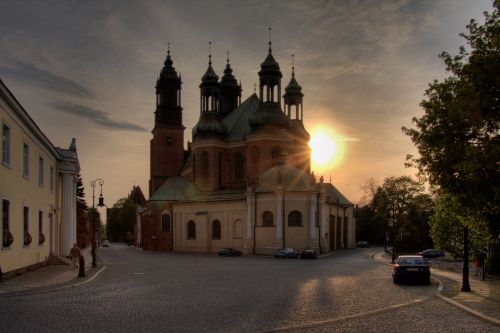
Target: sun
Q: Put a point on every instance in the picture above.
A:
(325, 149)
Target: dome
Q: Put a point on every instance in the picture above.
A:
(168, 71)
(293, 88)
(269, 113)
(210, 75)
(291, 178)
(209, 124)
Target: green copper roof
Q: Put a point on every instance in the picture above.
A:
(180, 189)
(175, 189)
(237, 121)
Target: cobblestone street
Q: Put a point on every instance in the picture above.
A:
(347, 291)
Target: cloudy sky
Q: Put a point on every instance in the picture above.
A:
(87, 69)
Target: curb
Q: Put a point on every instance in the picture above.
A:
(66, 285)
(449, 300)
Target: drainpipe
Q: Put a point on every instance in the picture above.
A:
(283, 218)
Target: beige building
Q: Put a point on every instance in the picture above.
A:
(245, 180)
(37, 191)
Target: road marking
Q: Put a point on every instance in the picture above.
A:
(357, 315)
(137, 273)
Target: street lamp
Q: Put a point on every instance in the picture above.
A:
(99, 204)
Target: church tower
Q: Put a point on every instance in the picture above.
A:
(230, 91)
(167, 145)
(299, 151)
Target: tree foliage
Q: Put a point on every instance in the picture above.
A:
(446, 227)
(458, 137)
(121, 220)
(400, 206)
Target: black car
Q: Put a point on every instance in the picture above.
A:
(411, 268)
(432, 253)
(286, 253)
(229, 252)
(309, 254)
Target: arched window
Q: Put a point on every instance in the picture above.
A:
(238, 229)
(165, 222)
(216, 229)
(238, 167)
(267, 219)
(204, 167)
(191, 228)
(276, 155)
(295, 219)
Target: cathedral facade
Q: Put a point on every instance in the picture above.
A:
(245, 180)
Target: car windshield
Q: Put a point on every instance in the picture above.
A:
(411, 261)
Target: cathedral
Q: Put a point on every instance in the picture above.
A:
(245, 179)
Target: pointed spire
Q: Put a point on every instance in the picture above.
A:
(270, 49)
(293, 65)
(210, 73)
(210, 53)
(168, 48)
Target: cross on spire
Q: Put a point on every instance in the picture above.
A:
(168, 48)
(293, 65)
(210, 53)
(270, 50)
(227, 53)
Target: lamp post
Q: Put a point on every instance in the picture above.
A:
(100, 204)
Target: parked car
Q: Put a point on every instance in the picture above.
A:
(229, 252)
(411, 268)
(309, 254)
(286, 253)
(432, 253)
(105, 243)
(362, 244)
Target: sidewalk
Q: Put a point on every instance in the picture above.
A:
(482, 301)
(47, 278)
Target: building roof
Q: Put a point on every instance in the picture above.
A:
(181, 189)
(333, 194)
(237, 122)
(137, 196)
(175, 189)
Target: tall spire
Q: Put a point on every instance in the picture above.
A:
(210, 53)
(270, 49)
(293, 65)
(230, 91)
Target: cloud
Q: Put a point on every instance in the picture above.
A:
(30, 72)
(96, 116)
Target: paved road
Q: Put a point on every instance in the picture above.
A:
(171, 292)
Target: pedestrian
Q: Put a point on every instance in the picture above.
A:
(74, 253)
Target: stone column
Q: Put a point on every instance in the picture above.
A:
(249, 237)
(313, 229)
(68, 226)
(279, 218)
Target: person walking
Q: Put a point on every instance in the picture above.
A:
(74, 253)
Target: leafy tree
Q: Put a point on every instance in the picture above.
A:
(400, 206)
(121, 220)
(458, 137)
(403, 204)
(82, 225)
(447, 227)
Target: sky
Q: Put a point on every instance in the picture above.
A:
(87, 69)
